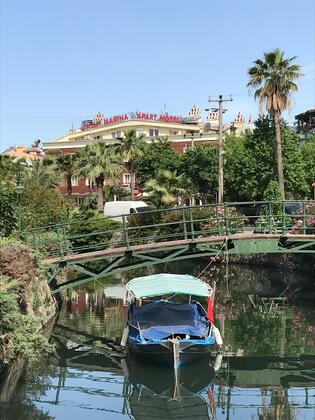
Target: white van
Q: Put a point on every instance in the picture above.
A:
(115, 209)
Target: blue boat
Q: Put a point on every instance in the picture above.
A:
(168, 331)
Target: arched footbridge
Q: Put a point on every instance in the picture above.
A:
(92, 248)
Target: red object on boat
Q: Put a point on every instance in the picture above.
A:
(210, 313)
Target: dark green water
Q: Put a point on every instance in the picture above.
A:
(266, 371)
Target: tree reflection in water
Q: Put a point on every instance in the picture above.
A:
(267, 371)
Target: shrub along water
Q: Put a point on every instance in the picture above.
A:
(91, 230)
(25, 306)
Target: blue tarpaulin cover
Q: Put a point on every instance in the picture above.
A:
(161, 319)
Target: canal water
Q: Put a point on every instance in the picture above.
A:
(265, 371)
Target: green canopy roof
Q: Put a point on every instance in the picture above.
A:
(163, 284)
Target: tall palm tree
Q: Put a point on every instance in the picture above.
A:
(130, 147)
(165, 189)
(43, 174)
(273, 78)
(67, 165)
(98, 161)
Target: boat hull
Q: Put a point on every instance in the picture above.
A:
(163, 353)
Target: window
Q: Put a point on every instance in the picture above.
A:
(88, 181)
(116, 134)
(75, 181)
(79, 201)
(127, 178)
(139, 132)
(173, 132)
(154, 132)
(74, 297)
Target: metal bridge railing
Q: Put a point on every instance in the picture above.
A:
(171, 224)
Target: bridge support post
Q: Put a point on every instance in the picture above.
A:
(126, 237)
(184, 223)
(270, 216)
(284, 228)
(226, 220)
(60, 240)
(218, 219)
(191, 224)
(304, 218)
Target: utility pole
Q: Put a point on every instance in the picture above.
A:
(221, 142)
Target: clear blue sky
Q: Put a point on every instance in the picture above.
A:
(64, 60)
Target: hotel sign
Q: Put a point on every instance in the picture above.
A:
(100, 120)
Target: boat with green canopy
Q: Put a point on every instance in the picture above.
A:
(164, 330)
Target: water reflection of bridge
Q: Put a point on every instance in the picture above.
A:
(245, 371)
(201, 389)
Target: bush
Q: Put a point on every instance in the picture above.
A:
(221, 223)
(19, 336)
(90, 230)
(177, 221)
(8, 222)
(145, 234)
(172, 224)
(298, 223)
(47, 242)
(206, 220)
(41, 206)
(272, 193)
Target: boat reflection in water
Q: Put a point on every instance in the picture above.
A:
(153, 391)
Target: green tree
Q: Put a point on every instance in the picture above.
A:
(308, 159)
(67, 165)
(273, 194)
(199, 165)
(158, 155)
(239, 173)
(273, 78)
(8, 220)
(90, 230)
(131, 146)
(251, 162)
(9, 169)
(294, 168)
(165, 189)
(41, 206)
(98, 161)
(43, 174)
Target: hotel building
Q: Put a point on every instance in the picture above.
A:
(182, 132)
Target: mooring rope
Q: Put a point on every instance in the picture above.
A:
(213, 258)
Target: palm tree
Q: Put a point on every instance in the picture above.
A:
(67, 165)
(165, 188)
(98, 161)
(43, 174)
(130, 148)
(273, 78)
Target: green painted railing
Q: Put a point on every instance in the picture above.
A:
(173, 224)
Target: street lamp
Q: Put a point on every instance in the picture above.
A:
(19, 189)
